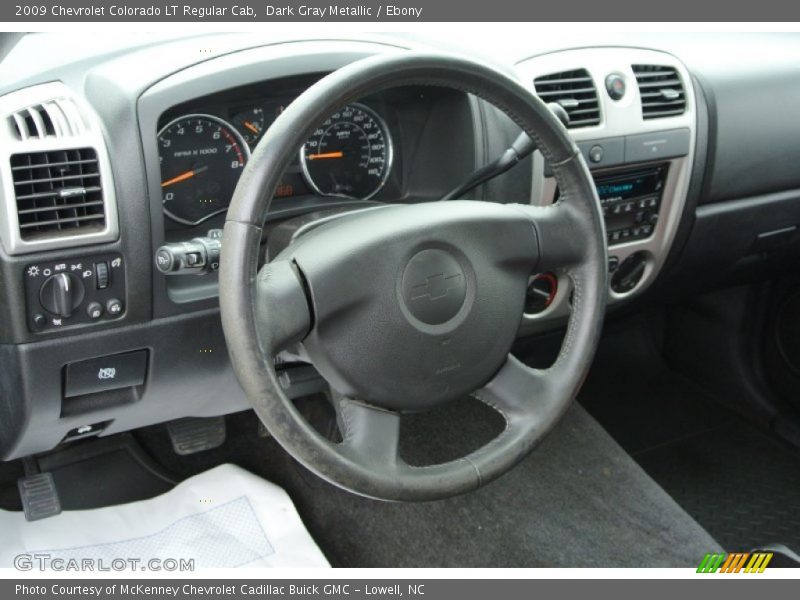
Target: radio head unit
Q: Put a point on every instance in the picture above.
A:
(631, 201)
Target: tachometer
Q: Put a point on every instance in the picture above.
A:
(201, 158)
(349, 155)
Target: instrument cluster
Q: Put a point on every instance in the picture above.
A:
(202, 153)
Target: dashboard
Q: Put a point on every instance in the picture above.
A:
(107, 158)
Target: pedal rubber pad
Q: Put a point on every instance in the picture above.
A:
(192, 435)
(39, 496)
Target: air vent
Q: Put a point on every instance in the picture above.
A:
(56, 118)
(661, 91)
(58, 193)
(575, 92)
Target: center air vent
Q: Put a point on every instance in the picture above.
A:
(575, 92)
(58, 193)
(661, 91)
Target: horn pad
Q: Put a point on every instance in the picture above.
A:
(415, 305)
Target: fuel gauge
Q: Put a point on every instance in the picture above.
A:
(251, 124)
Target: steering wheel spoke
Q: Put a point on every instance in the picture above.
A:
(370, 433)
(562, 235)
(282, 314)
(517, 391)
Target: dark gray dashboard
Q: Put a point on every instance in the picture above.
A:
(741, 209)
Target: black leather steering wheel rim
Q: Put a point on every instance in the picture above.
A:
(263, 312)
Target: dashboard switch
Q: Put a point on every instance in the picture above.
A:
(101, 275)
(198, 256)
(94, 310)
(72, 292)
(114, 307)
(61, 294)
(39, 321)
(105, 373)
(596, 153)
(615, 86)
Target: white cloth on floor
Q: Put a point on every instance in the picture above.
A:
(223, 518)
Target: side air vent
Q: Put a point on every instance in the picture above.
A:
(58, 193)
(56, 118)
(56, 184)
(575, 92)
(661, 91)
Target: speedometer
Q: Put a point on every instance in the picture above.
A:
(201, 158)
(349, 155)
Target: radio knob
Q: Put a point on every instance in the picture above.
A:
(629, 273)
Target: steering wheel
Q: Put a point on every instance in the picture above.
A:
(404, 307)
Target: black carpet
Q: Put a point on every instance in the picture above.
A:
(743, 486)
(739, 483)
(579, 500)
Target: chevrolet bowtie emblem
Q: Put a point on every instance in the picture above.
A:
(436, 287)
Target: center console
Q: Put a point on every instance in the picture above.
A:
(631, 112)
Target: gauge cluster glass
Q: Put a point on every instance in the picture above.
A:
(349, 155)
(202, 157)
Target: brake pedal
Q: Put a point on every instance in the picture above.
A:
(192, 435)
(39, 496)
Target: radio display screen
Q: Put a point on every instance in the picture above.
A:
(629, 186)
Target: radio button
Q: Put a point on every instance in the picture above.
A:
(596, 154)
(648, 202)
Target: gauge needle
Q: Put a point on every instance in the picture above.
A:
(252, 127)
(326, 155)
(183, 176)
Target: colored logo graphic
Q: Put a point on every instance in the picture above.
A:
(735, 562)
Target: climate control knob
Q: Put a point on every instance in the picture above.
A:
(61, 294)
(629, 273)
